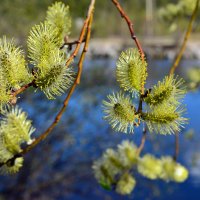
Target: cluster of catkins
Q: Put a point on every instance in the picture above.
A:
(15, 129)
(49, 74)
(114, 170)
(160, 107)
(162, 104)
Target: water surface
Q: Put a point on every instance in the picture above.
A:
(60, 167)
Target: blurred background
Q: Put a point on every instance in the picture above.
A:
(60, 167)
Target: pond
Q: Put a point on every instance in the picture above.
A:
(60, 167)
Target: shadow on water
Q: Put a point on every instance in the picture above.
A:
(60, 167)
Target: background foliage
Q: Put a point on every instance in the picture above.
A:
(18, 16)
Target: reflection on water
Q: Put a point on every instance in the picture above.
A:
(60, 167)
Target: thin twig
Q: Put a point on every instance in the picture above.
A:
(130, 26)
(81, 38)
(70, 44)
(186, 37)
(85, 49)
(22, 89)
(176, 152)
(144, 135)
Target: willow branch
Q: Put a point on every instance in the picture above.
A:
(186, 37)
(22, 89)
(85, 49)
(144, 135)
(81, 38)
(176, 151)
(177, 61)
(70, 44)
(85, 30)
(130, 26)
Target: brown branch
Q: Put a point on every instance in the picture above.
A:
(144, 135)
(130, 26)
(186, 37)
(85, 49)
(86, 27)
(81, 38)
(176, 152)
(22, 89)
(70, 44)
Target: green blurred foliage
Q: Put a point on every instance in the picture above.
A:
(18, 16)
(176, 13)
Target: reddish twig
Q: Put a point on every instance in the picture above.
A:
(22, 89)
(130, 26)
(81, 38)
(85, 49)
(70, 44)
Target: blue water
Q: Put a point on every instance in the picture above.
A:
(60, 167)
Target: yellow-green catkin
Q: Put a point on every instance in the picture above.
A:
(58, 16)
(126, 184)
(128, 153)
(13, 70)
(173, 171)
(51, 76)
(109, 169)
(42, 41)
(15, 129)
(164, 119)
(120, 112)
(55, 80)
(13, 66)
(149, 166)
(12, 168)
(131, 71)
(170, 90)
